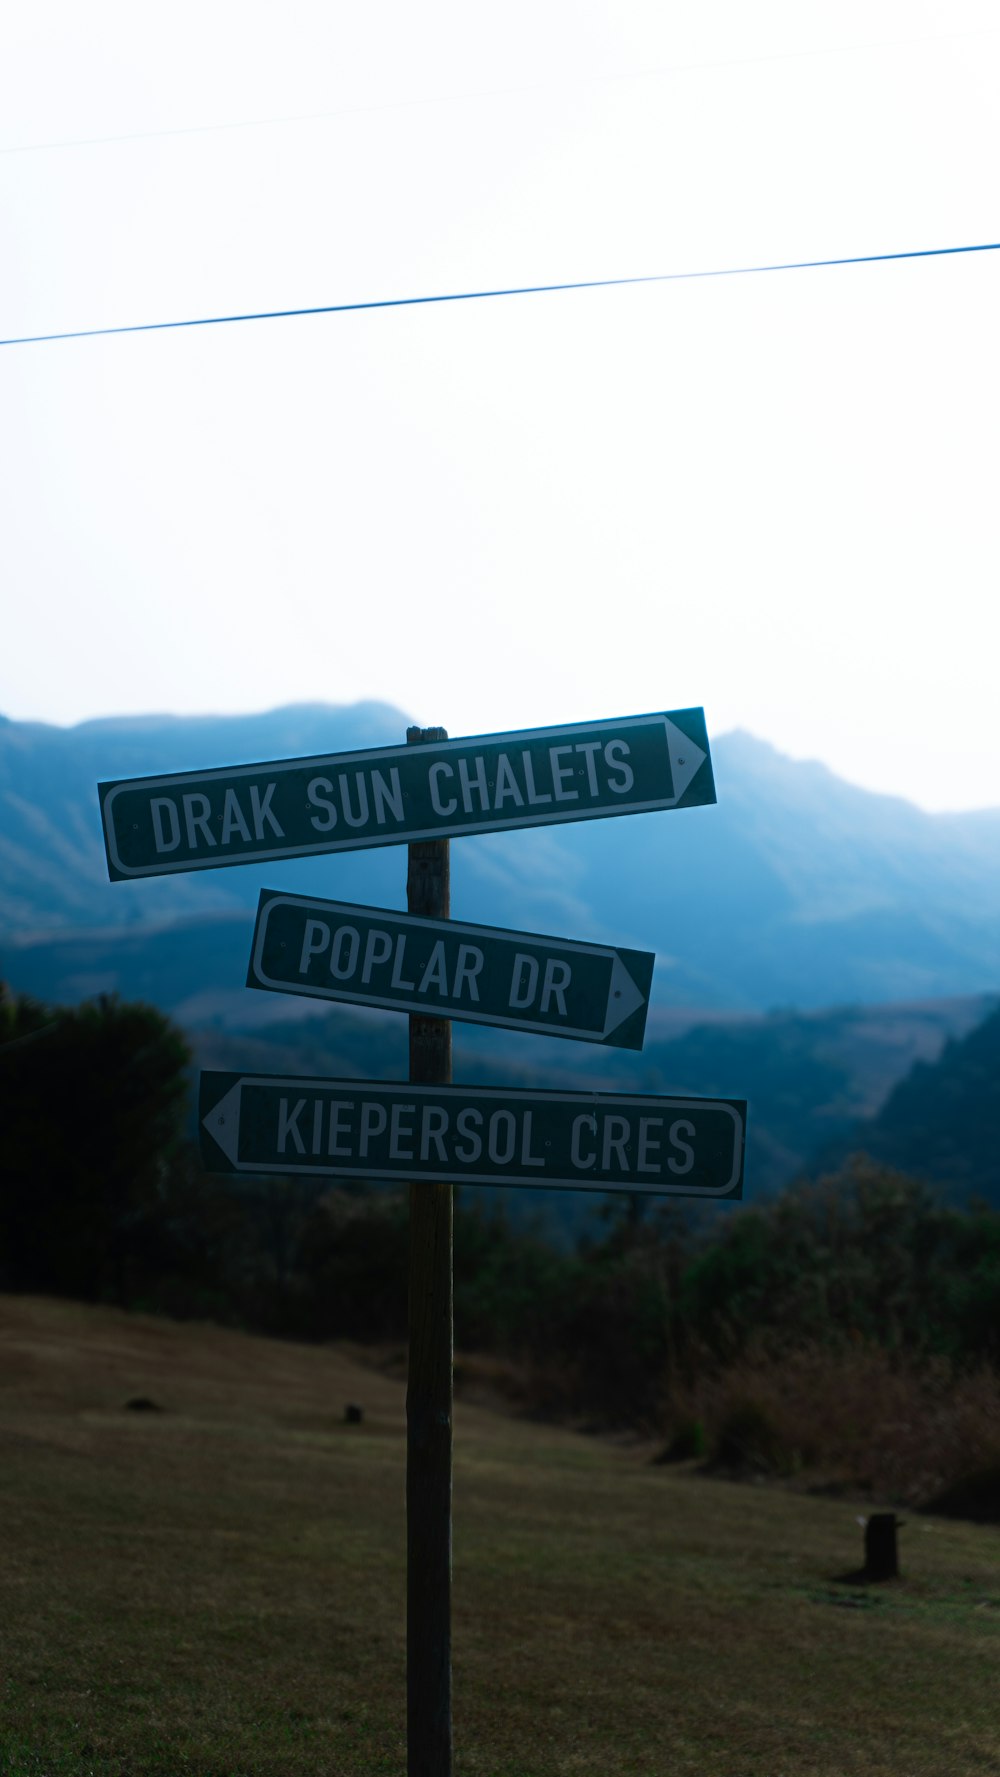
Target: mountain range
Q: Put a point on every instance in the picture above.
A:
(814, 942)
(797, 889)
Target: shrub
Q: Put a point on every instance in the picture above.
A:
(858, 1418)
(974, 1495)
(688, 1442)
(748, 1438)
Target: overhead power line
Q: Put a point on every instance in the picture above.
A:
(396, 302)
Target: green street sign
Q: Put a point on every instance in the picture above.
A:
(332, 950)
(482, 1135)
(291, 808)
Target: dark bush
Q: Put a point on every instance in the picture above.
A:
(688, 1442)
(749, 1440)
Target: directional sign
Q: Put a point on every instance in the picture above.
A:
(584, 1141)
(392, 795)
(332, 950)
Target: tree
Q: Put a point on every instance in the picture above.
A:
(91, 1099)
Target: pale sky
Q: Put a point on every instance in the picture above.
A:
(774, 496)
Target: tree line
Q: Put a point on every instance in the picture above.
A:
(104, 1199)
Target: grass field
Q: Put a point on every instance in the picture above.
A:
(217, 1588)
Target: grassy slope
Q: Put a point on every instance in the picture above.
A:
(218, 1588)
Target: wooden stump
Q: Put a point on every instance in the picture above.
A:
(881, 1560)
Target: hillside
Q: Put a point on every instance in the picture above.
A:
(809, 1078)
(940, 1121)
(217, 1584)
(795, 890)
(769, 914)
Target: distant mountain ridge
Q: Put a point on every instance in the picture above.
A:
(53, 874)
(797, 889)
(939, 1122)
(812, 940)
(812, 1080)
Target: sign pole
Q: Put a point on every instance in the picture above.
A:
(429, 1382)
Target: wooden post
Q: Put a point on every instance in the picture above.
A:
(881, 1559)
(429, 1382)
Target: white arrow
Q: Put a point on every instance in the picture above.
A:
(624, 997)
(223, 1122)
(685, 757)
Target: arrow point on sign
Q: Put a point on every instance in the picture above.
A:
(685, 757)
(223, 1123)
(624, 997)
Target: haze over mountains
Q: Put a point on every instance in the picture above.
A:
(795, 890)
(813, 940)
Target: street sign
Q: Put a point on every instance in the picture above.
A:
(584, 1141)
(291, 808)
(334, 950)
(426, 1132)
